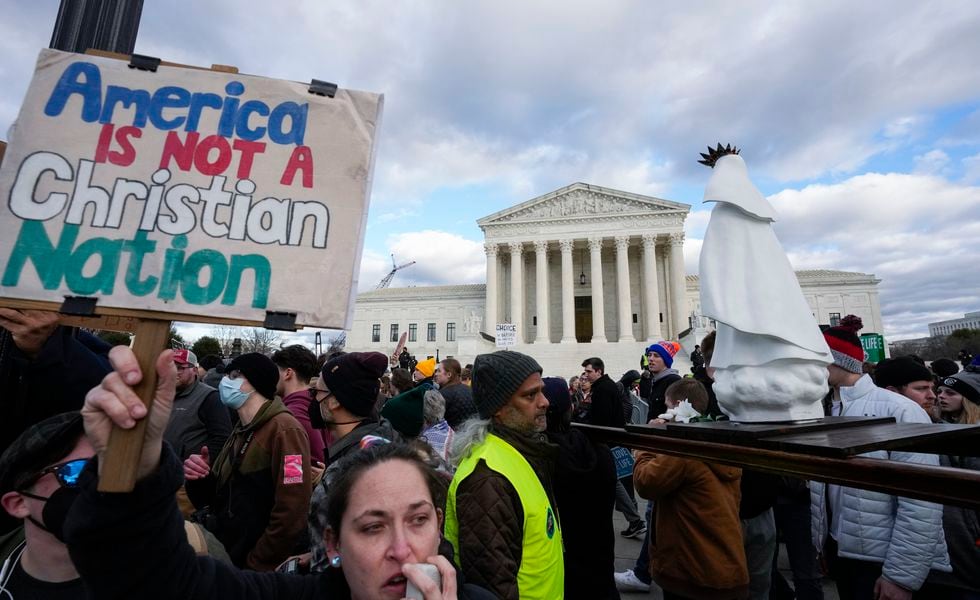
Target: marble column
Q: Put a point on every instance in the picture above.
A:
(567, 293)
(490, 317)
(623, 289)
(517, 288)
(678, 285)
(598, 307)
(541, 292)
(651, 295)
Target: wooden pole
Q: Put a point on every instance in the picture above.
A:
(960, 487)
(121, 459)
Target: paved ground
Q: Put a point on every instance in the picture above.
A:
(628, 549)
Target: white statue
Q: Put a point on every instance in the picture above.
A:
(770, 358)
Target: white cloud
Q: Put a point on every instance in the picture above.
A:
(915, 232)
(934, 162)
(441, 258)
(971, 169)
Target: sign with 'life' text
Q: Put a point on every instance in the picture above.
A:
(197, 193)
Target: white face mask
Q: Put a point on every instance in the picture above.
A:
(230, 391)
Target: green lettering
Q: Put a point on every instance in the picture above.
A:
(139, 247)
(190, 287)
(263, 274)
(34, 245)
(105, 278)
(172, 266)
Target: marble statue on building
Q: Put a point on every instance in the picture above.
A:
(770, 358)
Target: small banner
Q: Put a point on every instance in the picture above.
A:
(624, 461)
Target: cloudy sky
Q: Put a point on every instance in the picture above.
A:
(860, 121)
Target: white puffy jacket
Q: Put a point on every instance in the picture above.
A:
(904, 534)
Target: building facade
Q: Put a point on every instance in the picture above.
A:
(970, 320)
(583, 271)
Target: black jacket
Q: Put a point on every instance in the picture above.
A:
(658, 389)
(134, 546)
(607, 405)
(585, 491)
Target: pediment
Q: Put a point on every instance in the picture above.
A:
(583, 201)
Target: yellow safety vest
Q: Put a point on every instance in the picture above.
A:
(542, 571)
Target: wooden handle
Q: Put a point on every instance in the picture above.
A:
(121, 459)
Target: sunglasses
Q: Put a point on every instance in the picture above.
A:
(67, 473)
(315, 394)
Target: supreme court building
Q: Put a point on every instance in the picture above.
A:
(582, 271)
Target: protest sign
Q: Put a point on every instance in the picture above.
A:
(506, 335)
(187, 194)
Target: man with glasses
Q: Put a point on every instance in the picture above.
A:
(198, 417)
(39, 482)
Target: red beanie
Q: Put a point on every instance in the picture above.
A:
(845, 344)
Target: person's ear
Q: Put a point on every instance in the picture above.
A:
(331, 543)
(440, 517)
(14, 504)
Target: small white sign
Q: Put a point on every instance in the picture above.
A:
(506, 335)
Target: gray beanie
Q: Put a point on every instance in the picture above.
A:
(497, 376)
(966, 384)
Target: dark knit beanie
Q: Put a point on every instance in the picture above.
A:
(900, 371)
(40, 445)
(405, 411)
(845, 344)
(966, 384)
(259, 370)
(559, 400)
(944, 367)
(497, 376)
(353, 378)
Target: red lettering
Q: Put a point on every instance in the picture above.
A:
(202, 156)
(301, 159)
(127, 153)
(102, 147)
(247, 151)
(181, 152)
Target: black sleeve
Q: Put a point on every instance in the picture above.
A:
(133, 545)
(215, 417)
(201, 491)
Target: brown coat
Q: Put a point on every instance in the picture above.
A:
(697, 551)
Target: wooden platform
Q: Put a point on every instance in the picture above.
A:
(825, 449)
(838, 437)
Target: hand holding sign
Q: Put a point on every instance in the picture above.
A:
(197, 466)
(30, 329)
(115, 402)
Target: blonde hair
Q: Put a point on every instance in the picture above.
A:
(970, 415)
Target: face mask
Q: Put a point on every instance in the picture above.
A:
(56, 507)
(316, 417)
(230, 391)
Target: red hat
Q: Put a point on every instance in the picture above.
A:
(845, 344)
(185, 357)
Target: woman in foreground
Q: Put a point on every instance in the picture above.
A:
(383, 519)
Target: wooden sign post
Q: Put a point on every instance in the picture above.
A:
(135, 189)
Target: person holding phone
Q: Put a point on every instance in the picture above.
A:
(383, 518)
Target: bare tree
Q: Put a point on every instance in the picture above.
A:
(225, 334)
(337, 343)
(258, 339)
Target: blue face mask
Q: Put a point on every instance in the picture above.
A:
(230, 391)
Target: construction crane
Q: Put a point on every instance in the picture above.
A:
(394, 269)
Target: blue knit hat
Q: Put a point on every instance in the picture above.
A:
(666, 350)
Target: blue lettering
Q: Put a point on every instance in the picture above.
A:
(297, 118)
(169, 96)
(242, 129)
(199, 102)
(115, 94)
(69, 83)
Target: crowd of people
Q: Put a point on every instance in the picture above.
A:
(359, 475)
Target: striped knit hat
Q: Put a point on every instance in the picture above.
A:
(845, 344)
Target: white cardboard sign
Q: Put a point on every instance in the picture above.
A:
(506, 335)
(191, 192)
